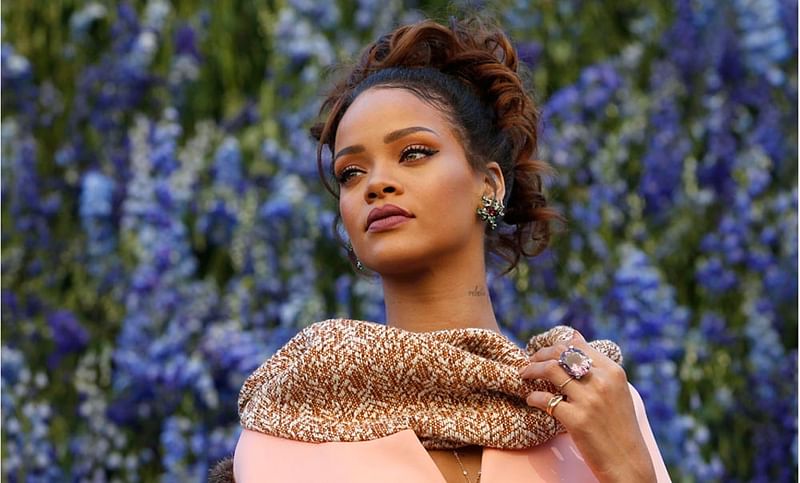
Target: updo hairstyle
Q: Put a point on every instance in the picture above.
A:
(469, 72)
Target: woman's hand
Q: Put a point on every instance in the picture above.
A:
(598, 413)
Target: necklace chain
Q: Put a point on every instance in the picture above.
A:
(464, 470)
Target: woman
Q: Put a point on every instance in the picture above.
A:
(432, 135)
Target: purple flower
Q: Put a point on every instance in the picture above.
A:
(529, 52)
(668, 147)
(684, 42)
(763, 39)
(68, 334)
(275, 210)
(218, 223)
(712, 275)
(186, 41)
(677, 164)
(17, 78)
(598, 84)
(716, 330)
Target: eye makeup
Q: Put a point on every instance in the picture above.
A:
(411, 153)
(417, 149)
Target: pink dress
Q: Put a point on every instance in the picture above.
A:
(401, 458)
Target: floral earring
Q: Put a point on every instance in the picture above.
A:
(491, 211)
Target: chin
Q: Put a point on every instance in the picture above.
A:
(397, 265)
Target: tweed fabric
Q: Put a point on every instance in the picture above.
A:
(352, 380)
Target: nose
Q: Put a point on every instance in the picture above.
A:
(381, 184)
(379, 191)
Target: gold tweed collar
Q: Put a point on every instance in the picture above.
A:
(352, 380)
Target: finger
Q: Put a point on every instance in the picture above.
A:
(549, 352)
(556, 375)
(549, 370)
(540, 399)
(554, 370)
(562, 386)
(598, 358)
(580, 343)
(554, 351)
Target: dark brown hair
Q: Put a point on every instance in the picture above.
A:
(469, 72)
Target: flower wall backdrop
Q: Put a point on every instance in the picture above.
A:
(164, 230)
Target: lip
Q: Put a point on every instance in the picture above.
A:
(387, 223)
(386, 211)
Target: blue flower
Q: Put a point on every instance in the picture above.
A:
(598, 84)
(763, 38)
(186, 41)
(663, 162)
(81, 20)
(529, 52)
(325, 14)
(68, 334)
(227, 169)
(97, 192)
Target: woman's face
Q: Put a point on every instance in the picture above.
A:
(393, 148)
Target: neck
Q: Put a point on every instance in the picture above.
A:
(450, 294)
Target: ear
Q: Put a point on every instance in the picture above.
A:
(499, 188)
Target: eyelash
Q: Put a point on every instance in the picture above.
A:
(414, 148)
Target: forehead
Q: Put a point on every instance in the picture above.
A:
(383, 109)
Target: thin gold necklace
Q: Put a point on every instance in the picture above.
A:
(464, 470)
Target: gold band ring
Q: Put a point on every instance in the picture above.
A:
(553, 403)
(561, 386)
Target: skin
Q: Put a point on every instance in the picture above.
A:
(432, 267)
(612, 446)
(433, 271)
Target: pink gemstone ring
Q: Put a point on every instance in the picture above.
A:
(575, 362)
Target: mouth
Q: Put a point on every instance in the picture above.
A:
(383, 224)
(378, 215)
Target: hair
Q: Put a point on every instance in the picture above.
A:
(469, 72)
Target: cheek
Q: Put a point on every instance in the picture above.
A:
(348, 214)
(451, 203)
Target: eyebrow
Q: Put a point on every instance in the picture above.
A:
(389, 138)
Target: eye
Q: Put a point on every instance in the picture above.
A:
(409, 153)
(416, 151)
(344, 176)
